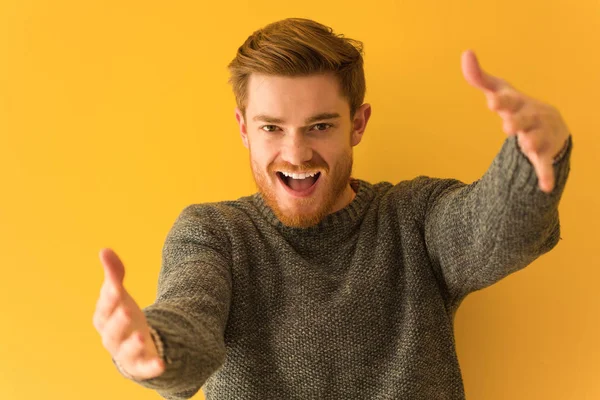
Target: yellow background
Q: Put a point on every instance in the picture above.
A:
(115, 115)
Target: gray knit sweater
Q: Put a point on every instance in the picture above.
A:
(360, 306)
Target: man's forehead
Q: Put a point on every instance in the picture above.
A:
(303, 98)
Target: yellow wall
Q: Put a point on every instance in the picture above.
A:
(114, 115)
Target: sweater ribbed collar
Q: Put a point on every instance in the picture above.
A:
(345, 218)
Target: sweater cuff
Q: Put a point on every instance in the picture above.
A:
(520, 173)
(559, 156)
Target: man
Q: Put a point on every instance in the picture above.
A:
(323, 286)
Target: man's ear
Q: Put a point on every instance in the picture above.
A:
(243, 130)
(359, 124)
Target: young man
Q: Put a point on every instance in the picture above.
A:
(323, 286)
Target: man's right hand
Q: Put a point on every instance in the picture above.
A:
(122, 324)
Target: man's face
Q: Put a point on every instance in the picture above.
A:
(301, 125)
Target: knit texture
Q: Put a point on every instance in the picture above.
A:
(360, 306)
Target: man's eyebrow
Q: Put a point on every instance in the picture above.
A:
(273, 120)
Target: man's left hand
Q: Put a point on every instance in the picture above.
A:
(540, 129)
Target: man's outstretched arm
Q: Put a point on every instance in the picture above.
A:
(189, 315)
(477, 234)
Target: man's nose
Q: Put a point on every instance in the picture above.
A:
(296, 149)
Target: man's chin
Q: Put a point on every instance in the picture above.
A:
(294, 211)
(299, 220)
(298, 216)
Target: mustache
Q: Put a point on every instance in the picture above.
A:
(299, 169)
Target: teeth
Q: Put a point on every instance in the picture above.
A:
(298, 176)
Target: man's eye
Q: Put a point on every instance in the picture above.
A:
(268, 126)
(324, 125)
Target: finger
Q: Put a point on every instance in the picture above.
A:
(117, 328)
(114, 271)
(131, 350)
(507, 100)
(110, 298)
(478, 77)
(148, 368)
(544, 171)
(520, 122)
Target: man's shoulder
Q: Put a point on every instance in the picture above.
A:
(217, 213)
(411, 185)
(415, 194)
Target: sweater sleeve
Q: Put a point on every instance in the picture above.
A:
(192, 304)
(479, 233)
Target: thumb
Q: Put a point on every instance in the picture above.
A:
(114, 271)
(476, 76)
(544, 171)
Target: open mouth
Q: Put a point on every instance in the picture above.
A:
(299, 187)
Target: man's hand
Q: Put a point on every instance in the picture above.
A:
(540, 129)
(122, 324)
